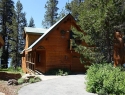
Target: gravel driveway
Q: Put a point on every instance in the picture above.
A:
(66, 85)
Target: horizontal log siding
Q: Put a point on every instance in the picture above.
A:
(58, 54)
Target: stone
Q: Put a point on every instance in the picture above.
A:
(12, 82)
(27, 77)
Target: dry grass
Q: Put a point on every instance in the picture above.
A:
(9, 89)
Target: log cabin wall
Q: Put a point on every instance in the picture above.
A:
(57, 48)
(30, 38)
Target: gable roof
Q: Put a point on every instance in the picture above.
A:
(39, 39)
(34, 30)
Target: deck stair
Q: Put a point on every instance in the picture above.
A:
(38, 72)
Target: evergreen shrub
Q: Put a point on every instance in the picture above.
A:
(32, 80)
(104, 79)
(37, 79)
(21, 81)
(17, 69)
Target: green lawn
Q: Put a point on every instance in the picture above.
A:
(12, 70)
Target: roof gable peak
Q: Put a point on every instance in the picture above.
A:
(48, 30)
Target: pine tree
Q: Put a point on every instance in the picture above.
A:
(6, 13)
(31, 23)
(73, 6)
(51, 14)
(13, 41)
(21, 23)
(62, 14)
(99, 20)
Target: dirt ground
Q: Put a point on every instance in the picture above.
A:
(9, 89)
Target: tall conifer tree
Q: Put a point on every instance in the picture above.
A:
(98, 19)
(31, 23)
(62, 14)
(73, 6)
(6, 13)
(51, 14)
(14, 41)
(21, 23)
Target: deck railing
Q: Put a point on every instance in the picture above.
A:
(30, 66)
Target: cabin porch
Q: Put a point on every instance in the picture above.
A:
(36, 60)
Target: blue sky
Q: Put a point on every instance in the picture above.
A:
(35, 9)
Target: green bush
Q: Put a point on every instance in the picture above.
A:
(105, 79)
(21, 81)
(12, 69)
(37, 79)
(57, 71)
(32, 80)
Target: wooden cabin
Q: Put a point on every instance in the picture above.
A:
(51, 48)
(1, 41)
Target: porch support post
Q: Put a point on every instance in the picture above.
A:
(34, 60)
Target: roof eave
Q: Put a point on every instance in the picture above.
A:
(29, 49)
